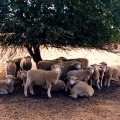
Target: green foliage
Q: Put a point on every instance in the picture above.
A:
(60, 23)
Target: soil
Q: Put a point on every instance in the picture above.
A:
(103, 105)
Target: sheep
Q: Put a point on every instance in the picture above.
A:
(84, 61)
(83, 75)
(46, 64)
(79, 88)
(43, 78)
(112, 73)
(10, 68)
(17, 62)
(68, 66)
(23, 76)
(25, 63)
(95, 76)
(6, 86)
(102, 70)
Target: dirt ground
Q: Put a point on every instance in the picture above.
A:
(103, 105)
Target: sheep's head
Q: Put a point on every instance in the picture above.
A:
(95, 66)
(23, 74)
(90, 69)
(10, 62)
(56, 68)
(103, 68)
(73, 80)
(9, 79)
(77, 65)
(28, 59)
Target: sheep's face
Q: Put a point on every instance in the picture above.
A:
(56, 68)
(78, 65)
(95, 66)
(10, 62)
(72, 80)
(9, 79)
(28, 59)
(90, 69)
(103, 68)
(23, 74)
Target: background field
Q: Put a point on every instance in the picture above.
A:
(103, 105)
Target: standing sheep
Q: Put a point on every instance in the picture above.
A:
(6, 86)
(79, 88)
(43, 78)
(17, 62)
(25, 63)
(10, 68)
(95, 77)
(23, 76)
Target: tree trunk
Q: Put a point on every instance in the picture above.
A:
(35, 53)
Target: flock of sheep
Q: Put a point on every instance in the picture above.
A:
(72, 75)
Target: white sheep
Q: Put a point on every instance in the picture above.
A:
(95, 77)
(79, 88)
(10, 68)
(112, 73)
(43, 78)
(82, 75)
(23, 76)
(25, 63)
(6, 86)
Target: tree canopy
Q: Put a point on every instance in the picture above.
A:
(59, 23)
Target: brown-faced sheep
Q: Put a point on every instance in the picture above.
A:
(43, 78)
(6, 86)
(25, 63)
(79, 88)
(10, 68)
(17, 62)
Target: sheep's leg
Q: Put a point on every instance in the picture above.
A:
(98, 81)
(26, 89)
(108, 84)
(67, 86)
(101, 82)
(49, 89)
(31, 90)
(3, 91)
(105, 83)
(91, 82)
(74, 95)
(11, 90)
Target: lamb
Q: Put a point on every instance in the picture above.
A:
(102, 70)
(17, 62)
(68, 66)
(112, 73)
(10, 68)
(95, 76)
(23, 76)
(43, 78)
(6, 86)
(25, 63)
(80, 88)
(83, 75)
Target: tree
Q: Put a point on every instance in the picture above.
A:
(60, 23)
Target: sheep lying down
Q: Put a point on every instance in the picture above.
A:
(80, 88)
(6, 86)
(43, 78)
